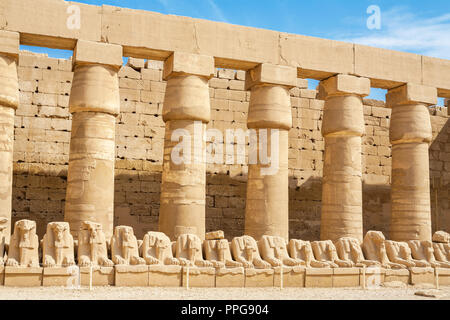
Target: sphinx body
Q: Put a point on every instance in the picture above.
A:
(274, 250)
(24, 245)
(125, 247)
(302, 251)
(219, 254)
(188, 250)
(350, 250)
(441, 247)
(325, 251)
(57, 246)
(399, 252)
(92, 246)
(374, 248)
(245, 250)
(157, 249)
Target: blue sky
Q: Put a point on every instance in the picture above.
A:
(414, 26)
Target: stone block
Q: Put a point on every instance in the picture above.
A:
(60, 276)
(9, 43)
(266, 73)
(101, 276)
(346, 277)
(164, 276)
(387, 68)
(136, 64)
(215, 235)
(230, 278)
(2, 275)
(345, 84)
(257, 278)
(89, 52)
(422, 275)
(411, 93)
(397, 275)
(436, 73)
(293, 277)
(185, 63)
(199, 277)
(443, 276)
(372, 277)
(131, 276)
(319, 278)
(23, 277)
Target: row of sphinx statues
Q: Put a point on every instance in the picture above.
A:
(59, 249)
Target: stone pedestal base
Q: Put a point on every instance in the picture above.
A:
(101, 276)
(60, 277)
(23, 277)
(199, 277)
(374, 277)
(319, 278)
(444, 276)
(397, 275)
(230, 278)
(164, 276)
(293, 277)
(258, 278)
(131, 276)
(2, 275)
(346, 277)
(422, 275)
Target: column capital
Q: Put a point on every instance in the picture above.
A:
(9, 43)
(90, 52)
(411, 93)
(344, 85)
(271, 74)
(180, 63)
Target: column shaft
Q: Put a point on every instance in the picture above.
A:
(342, 128)
(410, 135)
(9, 101)
(186, 112)
(94, 104)
(270, 115)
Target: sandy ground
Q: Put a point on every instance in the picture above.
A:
(147, 293)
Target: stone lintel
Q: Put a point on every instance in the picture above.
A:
(411, 93)
(271, 74)
(343, 84)
(90, 52)
(9, 43)
(187, 63)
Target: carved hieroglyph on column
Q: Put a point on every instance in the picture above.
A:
(342, 128)
(410, 135)
(9, 101)
(269, 114)
(94, 104)
(186, 112)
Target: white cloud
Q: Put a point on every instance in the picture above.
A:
(217, 11)
(407, 31)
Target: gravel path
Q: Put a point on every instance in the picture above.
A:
(148, 293)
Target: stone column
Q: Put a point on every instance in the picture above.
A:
(9, 101)
(342, 128)
(94, 104)
(269, 115)
(186, 112)
(410, 135)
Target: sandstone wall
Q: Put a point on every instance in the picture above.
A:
(42, 133)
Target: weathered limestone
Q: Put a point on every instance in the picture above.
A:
(410, 133)
(274, 251)
(441, 246)
(374, 248)
(92, 247)
(423, 250)
(342, 128)
(22, 267)
(94, 104)
(325, 251)
(57, 254)
(269, 114)
(349, 249)
(302, 250)
(399, 252)
(9, 101)
(186, 112)
(197, 272)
